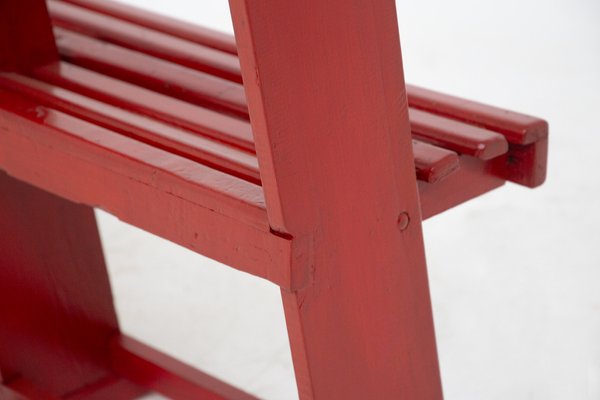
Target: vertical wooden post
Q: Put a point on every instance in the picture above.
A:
(327, 102)
(56, 310)
(26, 38)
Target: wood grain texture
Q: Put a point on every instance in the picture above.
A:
(363, 327)
(466, 127)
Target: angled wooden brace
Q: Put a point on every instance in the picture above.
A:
(327, 103)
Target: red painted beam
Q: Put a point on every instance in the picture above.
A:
(56, 306)
(523, 165)
(221, 156)
(134, 98)
(111, 387)
(184, 30)
(26, 38)
(153, 73)
(164, 374)
(196, 87)
(148, 40)
(431, 163)
(457, 136)
(200, 208)
(22, 389)
(326, 98)
(463, 135)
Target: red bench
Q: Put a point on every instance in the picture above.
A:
(103, 105)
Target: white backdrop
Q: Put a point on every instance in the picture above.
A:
(515, 274)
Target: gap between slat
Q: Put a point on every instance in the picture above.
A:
(137, 99)
(431, 163)
(147, 40)
(516, 127)
(175, 27)
(202, 89)
(167, 137)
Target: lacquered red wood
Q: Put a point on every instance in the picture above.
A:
(56, 309)
(162, 23)
(22, 389)
(146, 118)
(191, 117)
(166, 375)
(148, 40)
(113, 387)
(464, 137)
(26, 38)
(7, 393)
(354, 333)
(525, 162)
(518, 128)
(173, 139)
(469, 181)
(208, 211)
(458, 136)
(523, 165)
(154, 73)
(433, 163)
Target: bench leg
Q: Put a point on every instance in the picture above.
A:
(354, 340)
(328, 108)
(56, 307)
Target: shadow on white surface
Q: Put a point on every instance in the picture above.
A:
(225, 322)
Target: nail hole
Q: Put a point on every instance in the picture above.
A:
(403, 220)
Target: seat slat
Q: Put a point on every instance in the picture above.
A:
(433, 163)
(456, 135)
(518, 128)
(126, 101)
(152, 73)
(190, 85)
(210, 212)
(134, 98)
(167, 137)
(148, 40)
(161, 23)
(219, 191)
(191, 110)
